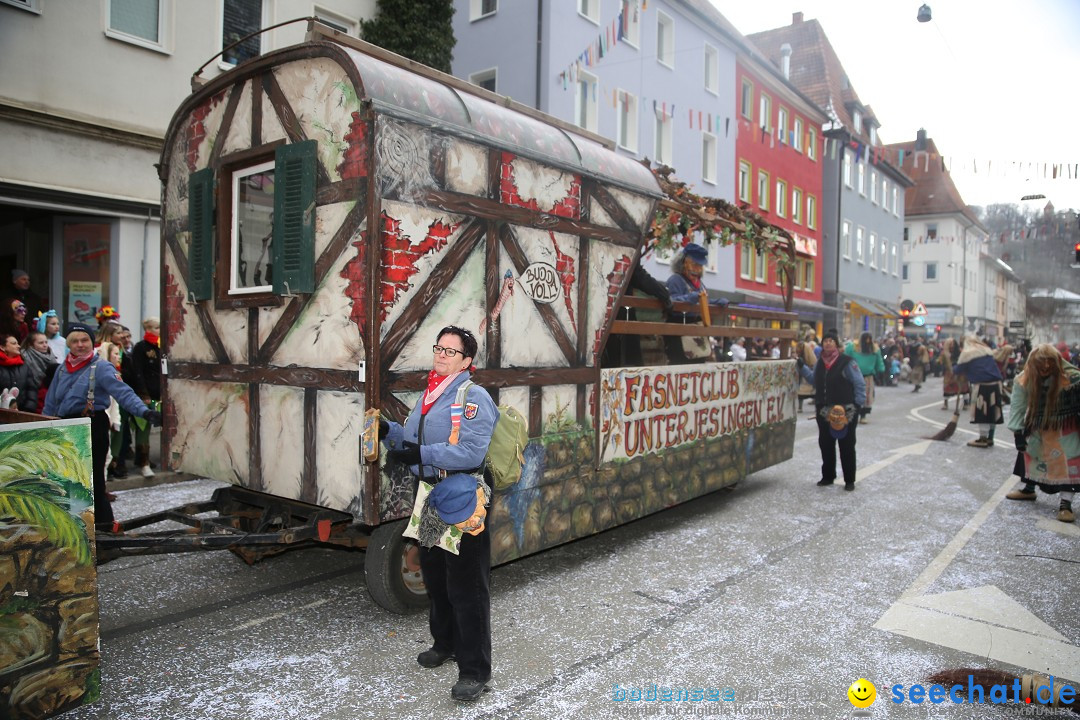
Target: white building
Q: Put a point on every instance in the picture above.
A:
(88, 89)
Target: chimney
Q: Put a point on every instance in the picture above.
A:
(785, 60)
(920, 139)
(796, 18)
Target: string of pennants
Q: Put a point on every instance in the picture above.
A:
(1032, 233)
(600, 47)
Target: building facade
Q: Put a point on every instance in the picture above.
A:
(862, 192)
(87, 93)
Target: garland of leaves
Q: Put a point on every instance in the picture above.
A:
(683, 213)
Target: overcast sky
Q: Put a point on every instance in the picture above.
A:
(991, 81)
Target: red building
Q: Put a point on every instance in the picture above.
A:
(778, 174)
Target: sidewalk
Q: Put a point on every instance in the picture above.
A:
(161, 475)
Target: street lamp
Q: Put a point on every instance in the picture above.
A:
(924, 14)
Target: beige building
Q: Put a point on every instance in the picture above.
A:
(88, 89)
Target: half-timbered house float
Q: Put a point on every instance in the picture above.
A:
(328, 207)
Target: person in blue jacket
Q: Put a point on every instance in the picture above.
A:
(977, 363)
(441, 441)
(837, 381)
(71, 396)
(685, 286)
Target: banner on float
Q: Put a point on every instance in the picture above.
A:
(647, 410)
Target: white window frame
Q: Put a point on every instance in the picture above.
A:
(797, 128)
(665, 26)
(761, 267)
(763, 182)
(476, 10)
(664, 138)
(873, 186)
(885, 193)
(712, 69)
(796, 205)
(33, 6)
(586, 117)
(746, 104)
(708, 158)
(632, 34)
(782, 123)
(811, 212)
(894, 204)
(811, 144)
(482, 76)
(262, 38)
(856, 119)
(848, 172)
(871, 250)
(349, 25)
(626, 120)
(746, 261)
(765, 112)
(883, 245)
(746, 180)
(873, 134)
(895, 259)
(929, 269)
(808, 275)
(164, 13)
(781, 198)
(845, 238)
(234, 231)
(860, 234)
(590, 10)
(860, 168)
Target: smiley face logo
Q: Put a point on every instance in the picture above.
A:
(862, 693)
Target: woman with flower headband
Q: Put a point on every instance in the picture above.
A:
(444, 442)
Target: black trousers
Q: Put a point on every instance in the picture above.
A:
(828, 445)
(99, 444)
(460, 615)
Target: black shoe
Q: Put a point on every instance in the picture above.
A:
(849, 486)
(823, 482)
(467, 689)
(118, 471)
(433, 658)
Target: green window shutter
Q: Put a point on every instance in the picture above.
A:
(294, 218)
(201, 226)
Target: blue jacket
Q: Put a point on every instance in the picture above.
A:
(68, 392)
(851, 374)
(979, 370)
(474, 433)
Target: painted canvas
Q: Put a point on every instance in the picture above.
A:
(48, 582)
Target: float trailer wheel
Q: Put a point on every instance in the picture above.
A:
(392, 570)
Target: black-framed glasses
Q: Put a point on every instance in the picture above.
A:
(448, 352)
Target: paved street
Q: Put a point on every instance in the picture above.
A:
(782, 591)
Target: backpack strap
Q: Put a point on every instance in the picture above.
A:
(455, 411)
(90, 390)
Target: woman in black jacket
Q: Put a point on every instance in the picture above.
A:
(13, 371)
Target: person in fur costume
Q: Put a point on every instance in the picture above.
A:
(977, 363)
(954, 383)
(1045, 420)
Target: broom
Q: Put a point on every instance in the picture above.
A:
(947, 432)
(1030, 683)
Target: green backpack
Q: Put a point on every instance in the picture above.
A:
(505, 454)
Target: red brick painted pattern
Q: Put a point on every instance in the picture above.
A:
(564, 266)
(196, 131)
(356, 288)
(568, 207)
(400, 254)
(354, 162)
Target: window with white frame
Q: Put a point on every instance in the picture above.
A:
(781, 198)
(873, 134)
(856, 119)
(589, 9)
(845, 238)
(744, 182)
(31, 5)
(884, 193)
(894, 257)
(782, 124)
(871, 250)
(931, 271)
(811, 212)
(861, 180)
(239, 19)
(712, 69)
(627, 120)
(631, 22)
(746, 100)
(811, 144)
(585, 101)
(797, 131)
(860, 235)
(884, 255)
(906, 233)
(746, 261)
(931, 231)
(663, 131)
(708, 157)
(763, 190)
(796, 275)
(347, 25)
(847, 167)
(141, 22)
(487, 79)
(904, 273)
(873, 186)
(765, 113)
(894, 205)
(796, 205)
(808, 275)
(479, 9)
(761, 267)
(252, 231)
(665, 39)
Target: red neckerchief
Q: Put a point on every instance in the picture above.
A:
(152, 338)
(73, 364)
(831, 359)
(8, 361)
(694, 282)
(436, 385)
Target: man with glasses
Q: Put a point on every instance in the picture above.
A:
(444, 443)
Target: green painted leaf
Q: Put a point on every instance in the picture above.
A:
(21, 504)
(61, 451)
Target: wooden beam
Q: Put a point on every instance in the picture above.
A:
(205, 321)
(496, 378)
(226, 123)
(611, 206)
(302, 377)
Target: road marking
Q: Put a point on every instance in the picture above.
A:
(1056, 526)
(291, 611)
(918, 448)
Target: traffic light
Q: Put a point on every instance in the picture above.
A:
(937, 328)
(1076, 248)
